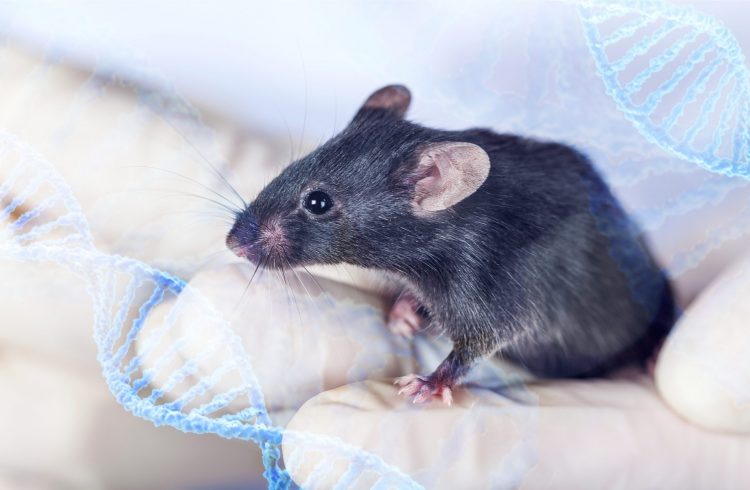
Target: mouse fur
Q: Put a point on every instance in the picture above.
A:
(537, 262)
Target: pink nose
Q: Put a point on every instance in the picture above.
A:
(233, 243)
(249, 252)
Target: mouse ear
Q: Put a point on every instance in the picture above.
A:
(449, 173)
(393, 99)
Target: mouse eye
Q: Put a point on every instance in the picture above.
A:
(318, 202)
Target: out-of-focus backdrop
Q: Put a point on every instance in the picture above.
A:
(274, 79)
(302, 68)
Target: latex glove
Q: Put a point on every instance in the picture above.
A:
(704, 368)
(558, 434)
(573, 434)
(60, 425)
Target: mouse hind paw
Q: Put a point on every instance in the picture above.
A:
(423, 389)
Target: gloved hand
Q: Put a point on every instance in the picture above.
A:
(326, 362)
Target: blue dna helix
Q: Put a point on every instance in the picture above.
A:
(678, 75)
(151, 375)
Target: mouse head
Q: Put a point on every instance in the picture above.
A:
(365, 196)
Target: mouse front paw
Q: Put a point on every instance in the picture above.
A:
(423, 388)
(404, 318)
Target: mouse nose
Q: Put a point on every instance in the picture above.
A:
(250, 251)
(233, 244)
(242, 240)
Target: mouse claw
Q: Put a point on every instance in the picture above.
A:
(423, 389)
(409, 384)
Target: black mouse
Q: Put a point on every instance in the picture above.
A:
(510, 245)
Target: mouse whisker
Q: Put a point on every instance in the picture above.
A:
(329, 299)
(230, 213)
(207, 162)
(335, 113)
(258, 266)
(211, 256)
(307, 292)
(304, 118)
(291, 297)
(292, 156)
(278, 279)
(222, 218)
(215, 259)
(315, 299)
(189, 179)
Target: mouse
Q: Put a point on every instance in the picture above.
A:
(509, 245)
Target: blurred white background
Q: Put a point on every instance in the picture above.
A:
(273, 68)
(266, 64)
(301, 68)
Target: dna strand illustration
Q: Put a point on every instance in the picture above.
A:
(43, 223)
(678, 75)
(635, 46)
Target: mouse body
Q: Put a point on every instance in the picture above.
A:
(511, 246)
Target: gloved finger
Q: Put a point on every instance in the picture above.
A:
(703, 370)
(571, 434)
(303, 335)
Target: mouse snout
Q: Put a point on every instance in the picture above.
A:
(242, 239)
(235, 244)
(244, 248)
(257, 242)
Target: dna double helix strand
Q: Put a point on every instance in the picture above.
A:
(44, 223)
(678, 75)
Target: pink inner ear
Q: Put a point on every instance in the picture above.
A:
(450, 173)
(433, 191)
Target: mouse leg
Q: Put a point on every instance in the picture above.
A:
(406, 317)
(441, 382)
